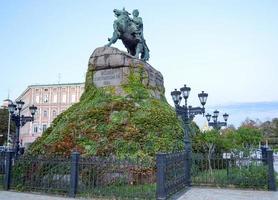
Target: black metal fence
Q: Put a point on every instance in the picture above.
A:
(2, 162)
(172, 170)
(252, 171)
(105, 177)
(2, 168)
(114, 178)
(111, 178)
(234, 171)
(40, 173)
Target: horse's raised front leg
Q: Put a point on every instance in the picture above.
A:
(112, 40)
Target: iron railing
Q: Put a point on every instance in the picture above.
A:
(2, 162)
(40, 173)
(2, 169)
(235, 171)
(171, 173)
(115, 178)
(105, 177)
(112, 178)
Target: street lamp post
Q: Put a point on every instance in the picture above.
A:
(9, 125)
(217, 124)
(20, 120)
(187, 114)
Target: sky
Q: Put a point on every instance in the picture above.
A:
(227, 48)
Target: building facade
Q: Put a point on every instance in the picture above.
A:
(5, 104)
(51, 100)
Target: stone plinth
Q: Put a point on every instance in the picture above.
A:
(112, 67)
(123, 113)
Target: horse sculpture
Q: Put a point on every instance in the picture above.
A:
(130, 31)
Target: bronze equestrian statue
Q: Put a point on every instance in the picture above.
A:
(130, 31)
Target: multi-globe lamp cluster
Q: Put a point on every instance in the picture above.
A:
(20, 120)
(187, 114)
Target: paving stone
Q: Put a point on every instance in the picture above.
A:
(227, 194)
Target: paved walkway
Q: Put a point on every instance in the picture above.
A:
(192, 194)
(227, 194)
(8, 195)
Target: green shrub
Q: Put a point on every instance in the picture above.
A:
(146, 191)
(249, 177)
(102, 123)
(253, 176)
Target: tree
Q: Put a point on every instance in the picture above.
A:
(194, 129)
(251, 123)
(4, 118)
(270, 132)
(230, 140)
(208, 140)
(249, 137)
(244, 139)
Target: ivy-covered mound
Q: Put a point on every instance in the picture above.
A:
(104, 123)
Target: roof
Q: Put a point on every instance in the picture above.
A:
(47, 85)
(57, 84)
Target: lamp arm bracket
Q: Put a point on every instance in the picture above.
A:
(25, 119)
(196, 110)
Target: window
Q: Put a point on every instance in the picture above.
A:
(45, 113)
(44, 127)
(72, 98)
(37, 99)
(45, 98)
(54, 113)
(37, 115)
(64, 98)
(35, 129)
(55, 98)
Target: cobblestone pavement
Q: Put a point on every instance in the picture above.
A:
(227, 194)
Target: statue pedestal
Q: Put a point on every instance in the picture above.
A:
(112, 68)
(122, 112)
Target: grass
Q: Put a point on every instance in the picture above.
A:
(276, 175)
(245, 177)
(217, 177)
(1, 181)
(145, 191)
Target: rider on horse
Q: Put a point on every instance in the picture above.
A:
(130, 31)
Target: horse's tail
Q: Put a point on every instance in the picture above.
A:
(146, 46)
(146, 53)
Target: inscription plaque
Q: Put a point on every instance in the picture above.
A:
(108, 77)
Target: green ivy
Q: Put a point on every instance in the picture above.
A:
(103, 123)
